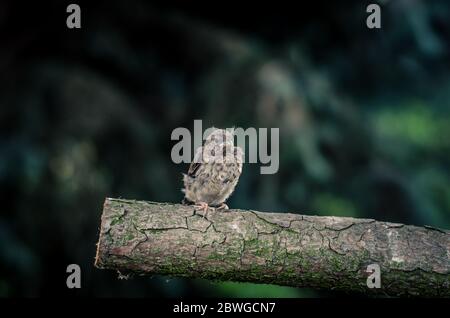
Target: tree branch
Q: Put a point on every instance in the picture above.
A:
(277, 248)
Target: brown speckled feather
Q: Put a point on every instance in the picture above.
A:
(214, 172)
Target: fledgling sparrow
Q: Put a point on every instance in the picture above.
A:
(214, 172)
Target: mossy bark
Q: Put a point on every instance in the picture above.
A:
(276, 248)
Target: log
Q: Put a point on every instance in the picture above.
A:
(332, 253)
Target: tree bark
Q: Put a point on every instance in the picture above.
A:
(331, 253)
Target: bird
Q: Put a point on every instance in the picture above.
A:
(214, 173)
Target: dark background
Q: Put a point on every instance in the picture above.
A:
(87, 114)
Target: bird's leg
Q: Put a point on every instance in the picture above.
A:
(223, 206)
(203, 206)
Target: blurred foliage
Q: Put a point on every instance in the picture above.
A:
(87, 114)
(415, 125)
(242, 290)
(328, 204)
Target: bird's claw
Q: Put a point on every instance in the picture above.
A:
(202, 206)
(223, 207)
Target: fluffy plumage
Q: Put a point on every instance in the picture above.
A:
(214, 172)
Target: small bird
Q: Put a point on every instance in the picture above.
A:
(214, 172)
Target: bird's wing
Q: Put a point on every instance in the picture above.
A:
(196, 163)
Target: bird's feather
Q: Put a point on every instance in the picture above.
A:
(196, 163)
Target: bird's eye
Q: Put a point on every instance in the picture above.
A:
(213, 152)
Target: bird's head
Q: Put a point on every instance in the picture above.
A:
(220, 137)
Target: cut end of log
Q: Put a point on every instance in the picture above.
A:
(99, 249)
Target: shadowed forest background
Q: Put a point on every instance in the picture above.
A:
(85, 114)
